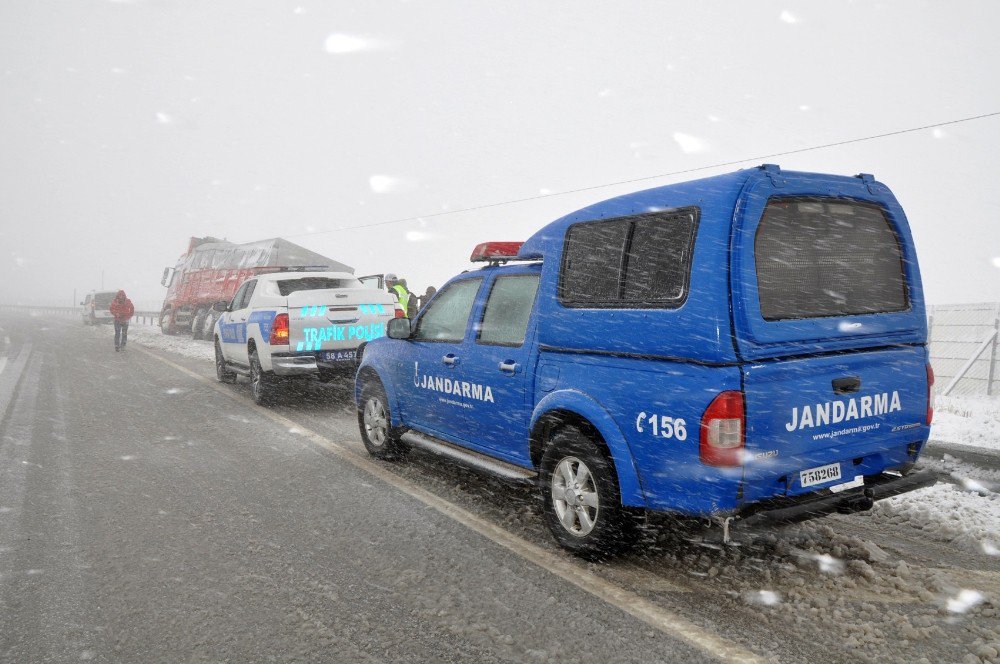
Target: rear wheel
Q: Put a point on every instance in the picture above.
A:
(375, 422)
(261, 383)
(581, 499)
(197, 323)
(208, 326)
(222, 370)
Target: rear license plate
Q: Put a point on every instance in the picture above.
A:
(819, 475)
(337, 355)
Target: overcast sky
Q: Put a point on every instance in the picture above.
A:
(126, 127)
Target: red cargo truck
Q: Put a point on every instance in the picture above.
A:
(211, 270)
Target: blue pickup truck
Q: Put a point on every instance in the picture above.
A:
(751, 345)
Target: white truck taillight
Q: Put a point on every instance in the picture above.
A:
(723, 430)
(279, 331)
(398, 311)
(930, 394)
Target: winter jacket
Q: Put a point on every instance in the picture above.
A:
(121, 307)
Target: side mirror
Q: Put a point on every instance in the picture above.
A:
(399, 328)
(221, 306)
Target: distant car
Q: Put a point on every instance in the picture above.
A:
(95, 307)
(749, 344)
(298, 325)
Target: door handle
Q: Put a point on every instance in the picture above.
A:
(846, 385)
(450, 359)
(509, 367)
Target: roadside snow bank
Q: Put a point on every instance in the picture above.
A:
(969, 520)
(152, 337)
(968, 421)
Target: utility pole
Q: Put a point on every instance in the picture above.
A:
(102, 279)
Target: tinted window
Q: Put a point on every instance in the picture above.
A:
(237, 302)
(103, 300)
(508, 309)
(448, 317)
(659, 258)
(289, 286)
(630, 262)
(827, 257)
(592, 261)
(245, 302)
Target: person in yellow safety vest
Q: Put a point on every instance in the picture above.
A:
(392, 282)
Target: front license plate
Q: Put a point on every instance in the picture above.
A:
(820, 475)
(337, 355)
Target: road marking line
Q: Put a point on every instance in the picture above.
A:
(666, 621)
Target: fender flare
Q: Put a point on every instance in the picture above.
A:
(391, 393)
(632, 494)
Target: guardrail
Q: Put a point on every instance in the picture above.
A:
(139, 317)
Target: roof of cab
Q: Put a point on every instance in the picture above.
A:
(721, 188)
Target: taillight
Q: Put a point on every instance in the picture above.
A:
(399, 313)
(723, 430)
(279, 331)
(930, 394)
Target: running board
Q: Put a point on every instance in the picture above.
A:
(502, 469)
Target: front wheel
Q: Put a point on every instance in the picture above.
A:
(261, 384)
(222, 370)
(167, 322)
(375, 423)
(582, 503)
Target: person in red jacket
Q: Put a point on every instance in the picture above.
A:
(121, 308)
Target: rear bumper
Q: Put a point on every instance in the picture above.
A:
(821, 503)
(294, 365)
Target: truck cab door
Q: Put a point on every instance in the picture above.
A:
(233, 327)
(431, 375)
(500, 361)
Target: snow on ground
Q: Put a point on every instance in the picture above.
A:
(152, 337)
(968, 421)
(969, 520)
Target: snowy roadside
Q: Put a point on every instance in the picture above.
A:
(152, 337)
(967, 422)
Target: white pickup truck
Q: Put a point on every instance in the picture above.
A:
(298, 324)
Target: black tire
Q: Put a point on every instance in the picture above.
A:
(381, 439)
(197, 323)
(222, 371)
(611, 528)
(167, 322)
(208, 327)
(261, 383)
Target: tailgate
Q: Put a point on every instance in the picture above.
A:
(861, 410)
(337, 319)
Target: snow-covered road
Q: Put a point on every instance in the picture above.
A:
(207, 520)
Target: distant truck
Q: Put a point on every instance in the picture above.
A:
(211, 270)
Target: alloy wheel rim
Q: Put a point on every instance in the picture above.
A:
(376, 422)
(574, 496)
